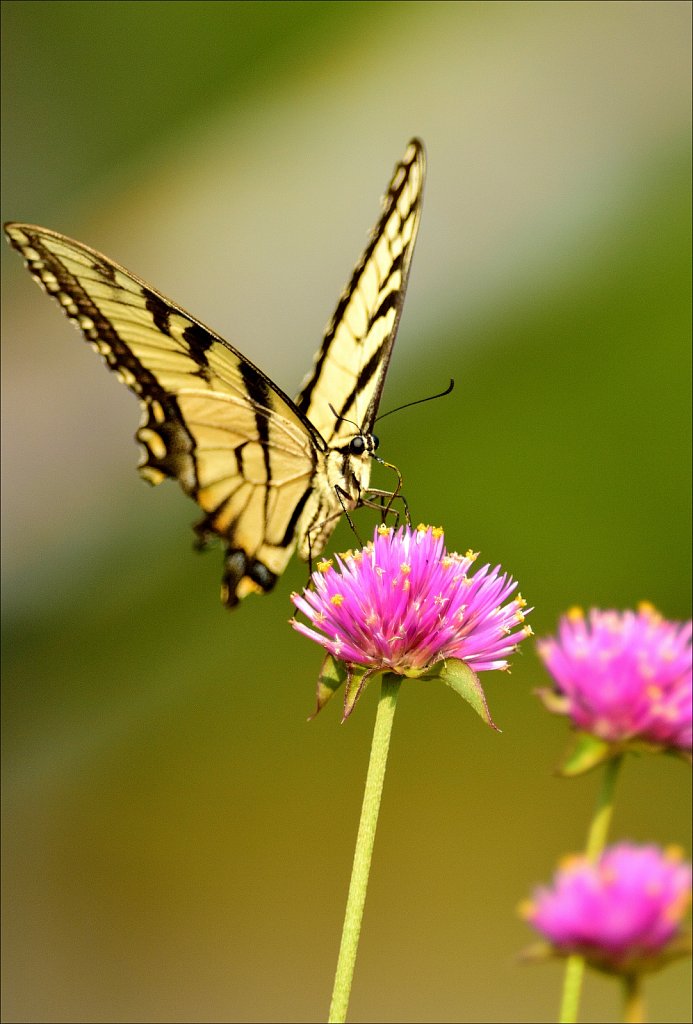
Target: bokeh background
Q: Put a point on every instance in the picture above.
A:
(177, 839)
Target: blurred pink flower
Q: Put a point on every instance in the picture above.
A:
(622, 676)
(621, 912)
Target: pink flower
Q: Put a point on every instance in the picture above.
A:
(622, 676)
(404, 604)
(622, 912)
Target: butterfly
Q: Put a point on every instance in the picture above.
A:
(271, 475)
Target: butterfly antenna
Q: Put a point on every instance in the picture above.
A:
(343, 419)
(418, 401)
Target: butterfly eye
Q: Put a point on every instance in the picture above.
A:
(357, 445)
(375, 441)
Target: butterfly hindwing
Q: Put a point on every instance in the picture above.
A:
(267, 473)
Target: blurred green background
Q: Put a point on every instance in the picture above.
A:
(177, 840)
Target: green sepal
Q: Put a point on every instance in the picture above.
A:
(590, 751)
(537, 953)
(553, 701)
(332, 674)
(587, 752)
(464, 681)
(677, 947)
(358, 677)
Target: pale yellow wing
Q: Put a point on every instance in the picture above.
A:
(211, 419)
(346, 383)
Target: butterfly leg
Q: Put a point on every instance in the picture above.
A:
(319, 528)
(320, 531)
(387, 508)
(342, 494)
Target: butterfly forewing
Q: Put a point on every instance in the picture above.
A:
(350, 367)
(266, 472)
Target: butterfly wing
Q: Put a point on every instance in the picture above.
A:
(211, 419)
(346, 383)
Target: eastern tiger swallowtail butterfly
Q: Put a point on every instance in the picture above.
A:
(269, 474)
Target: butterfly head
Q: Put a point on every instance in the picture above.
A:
(348, 468)
(363, 444)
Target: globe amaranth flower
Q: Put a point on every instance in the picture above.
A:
(623, 912)
(624, 677)
(404, 604)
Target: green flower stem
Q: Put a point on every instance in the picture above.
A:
(599, 829)
(634, 1003)
(596, 841)
(364, 848)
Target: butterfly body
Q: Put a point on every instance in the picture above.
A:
(270, 475)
